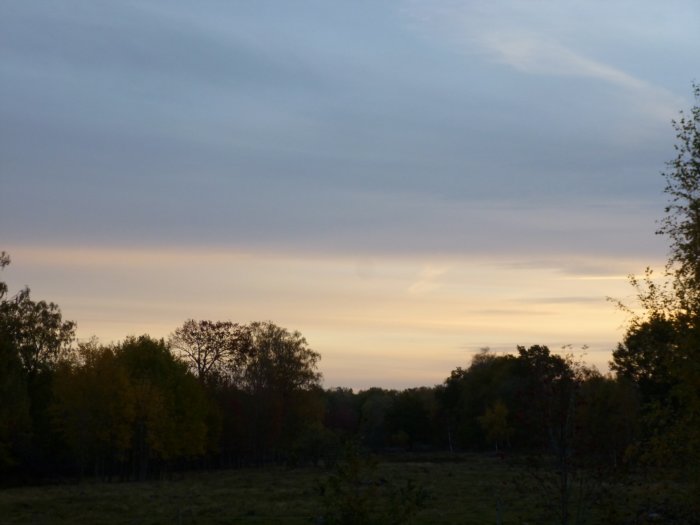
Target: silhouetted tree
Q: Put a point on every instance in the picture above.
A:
(15, 421)
(128, 408)
(36, 329)
(643, 356)
(4, 261)
(170, 405)
(212, 349)
(545, 396)
(467, 394)
(410, 417)
(680, 433)
(682, 221)
(280, 360)
(94, 408)
(342, 413)
(375, 404)
(279, 391)
(607, 419)
(661, 349)
(34, 336)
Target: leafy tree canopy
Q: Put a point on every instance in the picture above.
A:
(280, 360)
(36, 329)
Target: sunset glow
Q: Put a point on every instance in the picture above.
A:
(394, 321)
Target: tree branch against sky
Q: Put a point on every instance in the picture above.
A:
(211, 349)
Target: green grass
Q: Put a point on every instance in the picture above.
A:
(468, 491)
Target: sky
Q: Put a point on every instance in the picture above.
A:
(404, 182)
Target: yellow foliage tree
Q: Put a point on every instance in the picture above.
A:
(494, 423)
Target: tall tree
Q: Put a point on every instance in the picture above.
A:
(36, 337)
(170, 405)
(94, 408)
(211, 348)
(280, 360)
(35, 328)
(15, 423)
(682, 221)
(279, 380)
(665, 346)
(643, 356)
(682, 226)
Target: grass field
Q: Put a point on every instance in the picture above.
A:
(474, 490)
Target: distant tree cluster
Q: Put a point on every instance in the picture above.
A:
(215, 393)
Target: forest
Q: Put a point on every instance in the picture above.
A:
(220, 395)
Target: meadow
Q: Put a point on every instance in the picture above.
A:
(471, 489)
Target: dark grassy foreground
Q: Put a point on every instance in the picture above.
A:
(473, 490)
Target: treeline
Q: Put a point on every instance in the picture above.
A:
(214, 394)
(219, 394)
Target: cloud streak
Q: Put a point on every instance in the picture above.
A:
(515, 34)
(539, 55)
(536, 54)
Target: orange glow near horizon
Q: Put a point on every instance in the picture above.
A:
(388, 321)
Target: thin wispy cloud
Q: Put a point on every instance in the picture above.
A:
(516, 34)
(540, 55)
(427, 281)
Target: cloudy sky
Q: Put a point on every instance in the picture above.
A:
(402, 181)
